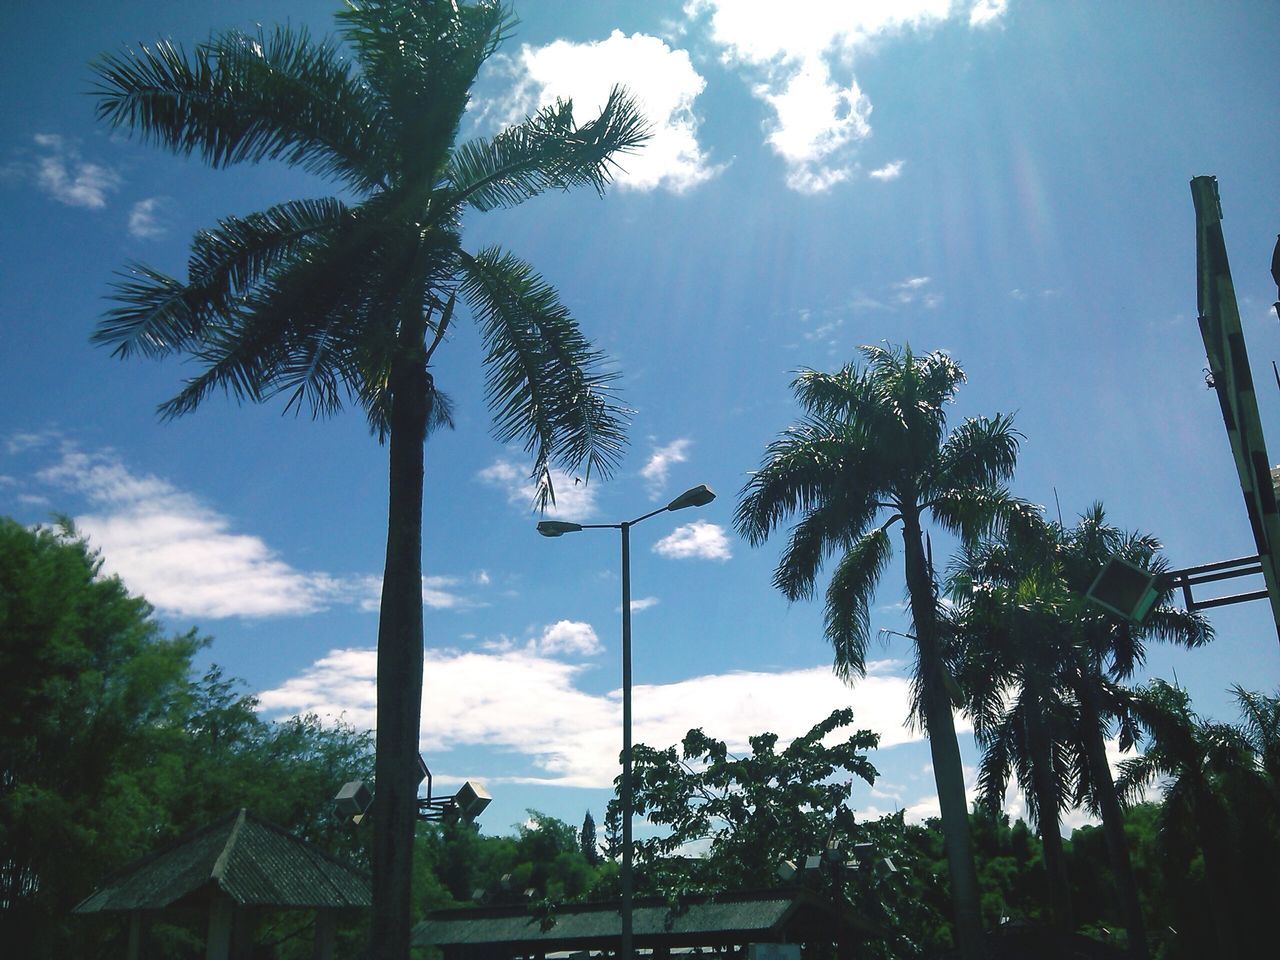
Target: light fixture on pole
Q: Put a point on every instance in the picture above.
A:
(698, 496)
(355, 797)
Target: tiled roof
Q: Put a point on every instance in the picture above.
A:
(725, 918)
(247, 859)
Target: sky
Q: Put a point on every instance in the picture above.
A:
(1005, 181)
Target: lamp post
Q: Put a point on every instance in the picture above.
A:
(698, 496)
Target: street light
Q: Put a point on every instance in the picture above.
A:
(698, 496)
(355, 797)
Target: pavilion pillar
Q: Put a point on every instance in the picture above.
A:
(221, 921)
(324, 945)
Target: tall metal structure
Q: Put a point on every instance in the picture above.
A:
(1233, 381)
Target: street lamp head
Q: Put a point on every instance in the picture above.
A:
(557, 528)
(698, 496)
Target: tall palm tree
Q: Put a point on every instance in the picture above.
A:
(872, 451)
(350, 298)
(1193, 756)
(1107, 650)
(1007, 612)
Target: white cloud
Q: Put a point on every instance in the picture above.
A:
(699, 540)
(986, 11)
(573, 737)
(644, 603)
(185, 557)
(916, 289)
(144, 219)
(65, 176)
(890, 171)
(663, 80)
(575, 498)
(801, 65)
(569, 636)
(660, 462)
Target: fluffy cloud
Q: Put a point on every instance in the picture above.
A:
(698, 540)
(61, 173)
(572, 737)
(663, 80)
(801, 65)
(569, 636)
(660, 462)
(575, 498)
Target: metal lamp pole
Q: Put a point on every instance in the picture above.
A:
(697, 496)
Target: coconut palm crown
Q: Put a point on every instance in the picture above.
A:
(349, 298)
(871, 451)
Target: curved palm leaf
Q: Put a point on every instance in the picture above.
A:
(849, 596)
(240, 98)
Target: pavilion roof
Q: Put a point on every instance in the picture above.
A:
(243, 857)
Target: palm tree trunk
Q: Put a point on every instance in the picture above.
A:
(944, 748)
(400, 656)
(1108, 801)
(1219, 872)
(1046, 791)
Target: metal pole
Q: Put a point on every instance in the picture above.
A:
(626, 952)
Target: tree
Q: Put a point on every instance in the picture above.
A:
(587, 841)
(350, 298)
(874, 442)
(1008, 610)
(109, 749)
(88, 682)
(751, 812)
(1194, 755)
(1106, 651)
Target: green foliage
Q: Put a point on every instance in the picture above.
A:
(749, 813)
(108, 747)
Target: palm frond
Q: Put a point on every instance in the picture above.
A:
(849, 596)
(825, 528)
(419, 59)
(240, 98)
(544, 379)
(975, 512)
(981, 452)
(813, 461)
(547, 152)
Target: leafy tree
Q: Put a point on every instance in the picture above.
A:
(108, 748)
(751, 812)
(350, 298)
(873, 442)
(89, 683)
(587, 841)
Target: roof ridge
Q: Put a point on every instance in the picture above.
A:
(220, 865)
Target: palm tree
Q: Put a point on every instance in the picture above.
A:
(1193, 756)
(1007, 613)
(350, 298)
(1107, 651)
(874, 445)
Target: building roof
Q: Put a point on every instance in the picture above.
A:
(741, 917)
(242, 857)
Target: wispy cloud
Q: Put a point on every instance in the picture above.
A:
(700, 540)
(917, 290)
(144, 219)
(659, 464)
(644, 603)
(571, 736)
(575, 497)
(663, 81)
(890, 171)
(63, 174)
(802, 66)
(188, 559)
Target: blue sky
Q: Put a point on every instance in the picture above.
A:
(1005, 182)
